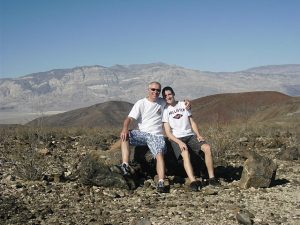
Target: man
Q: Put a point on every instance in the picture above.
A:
(148, 112)
(183, 132)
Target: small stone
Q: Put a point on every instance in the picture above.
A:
(245, 217)
(210, 191)
(145, 221)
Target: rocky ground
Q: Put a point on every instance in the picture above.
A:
(45, 186)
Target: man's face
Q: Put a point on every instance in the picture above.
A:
(168, 96)
(154, 91)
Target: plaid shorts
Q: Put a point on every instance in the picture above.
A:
(155, 143)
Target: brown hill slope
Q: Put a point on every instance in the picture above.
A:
(221, 108)
(242, 107)
(107, 114)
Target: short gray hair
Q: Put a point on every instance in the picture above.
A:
(154, 82)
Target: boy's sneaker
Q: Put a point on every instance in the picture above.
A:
(195, 185)
(214, 182)
(125, 169)
(162, 188)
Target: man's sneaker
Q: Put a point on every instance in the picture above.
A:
(214, 182)
(125, 169)
(162, 188)
(195, 185)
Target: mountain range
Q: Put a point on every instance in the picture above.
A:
(60, 90)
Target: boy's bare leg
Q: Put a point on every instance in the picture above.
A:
(188, 165)
(208, 160)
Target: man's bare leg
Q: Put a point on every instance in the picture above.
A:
(125, 151)
(160, 166)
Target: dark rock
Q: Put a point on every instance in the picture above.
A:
(93, 172)
(143, 156)
(258, 171)
(289, 153)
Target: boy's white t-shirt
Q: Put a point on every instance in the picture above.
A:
(149, 115)
(178, 118)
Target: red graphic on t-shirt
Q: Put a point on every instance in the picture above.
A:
(177, 116)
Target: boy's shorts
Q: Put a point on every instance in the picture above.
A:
(192, 143)
(155, 143)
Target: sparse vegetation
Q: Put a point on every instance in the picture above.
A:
(73, 155)
(31, 153)
(29, 164)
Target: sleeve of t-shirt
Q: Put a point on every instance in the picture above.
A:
(135, 112)
(189, 112)
(165, 118)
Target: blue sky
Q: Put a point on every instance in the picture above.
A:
(209, 35)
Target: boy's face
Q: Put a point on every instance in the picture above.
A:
(168, 96)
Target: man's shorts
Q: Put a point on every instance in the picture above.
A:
(155, 143)
(192, 143)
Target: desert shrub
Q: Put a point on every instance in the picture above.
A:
(220, 139)
(101, 138)
(29, 164)
(225, 139)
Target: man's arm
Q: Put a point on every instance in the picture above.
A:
(170, 135)
(195, 129)
(188, 104)
(125, 133)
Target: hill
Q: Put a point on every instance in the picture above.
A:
(107, 114)
(220, 108)
(245, 107)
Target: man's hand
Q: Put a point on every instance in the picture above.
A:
(124, 135)
(188, 104)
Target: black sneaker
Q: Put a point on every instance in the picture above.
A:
(162, 188)
(195, 185)
(125, 169)
(214, 182)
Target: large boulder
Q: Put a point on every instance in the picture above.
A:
(258, 171)
(144, 158)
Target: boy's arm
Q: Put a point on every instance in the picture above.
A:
(170, 135)
(195, 129)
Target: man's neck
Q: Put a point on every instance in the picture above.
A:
(152, 99)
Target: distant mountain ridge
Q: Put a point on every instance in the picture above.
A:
(67, 89)
(288, 69)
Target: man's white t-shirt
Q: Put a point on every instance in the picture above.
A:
(149, 115)
(178, 118)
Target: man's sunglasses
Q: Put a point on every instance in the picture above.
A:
(153, 89)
